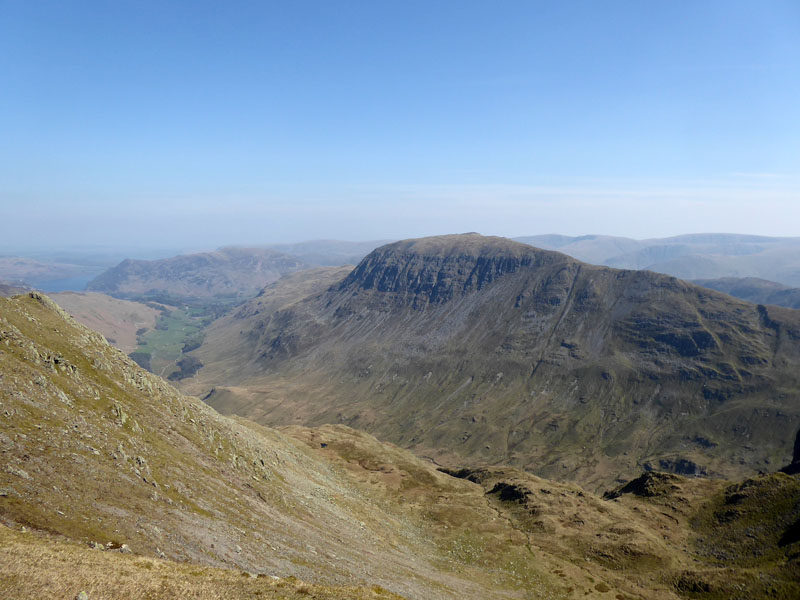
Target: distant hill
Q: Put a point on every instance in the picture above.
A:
(12, 289)
(329, 252)
(113, 485)
(47, 275)
(693, 256)
(226, 274)
(756, 290)
(120, 321)
(594, 249)
(484, 349)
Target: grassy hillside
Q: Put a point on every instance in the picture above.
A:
(115, 485)
(120, 321)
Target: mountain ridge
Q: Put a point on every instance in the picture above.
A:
(512, 354)
(754, 289)
(689, 256)
(227, 273)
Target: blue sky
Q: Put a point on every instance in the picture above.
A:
(208, 123)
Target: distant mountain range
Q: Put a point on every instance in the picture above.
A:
(693, 256)
(12, 289)
(225, 274)
(51, 276)
(329, 253)
(754, 289)
(480, 349)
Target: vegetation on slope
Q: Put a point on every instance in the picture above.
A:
(115, 484)
(477, 349)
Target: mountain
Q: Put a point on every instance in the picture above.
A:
(594, 249)
(12, 289)
(226, 274)
(483, 349)
(692, 256)
(114, 485)
(120, 321)
(228, 331)
(754, 289)
(46, 274)
(96, 450)
(329, 253)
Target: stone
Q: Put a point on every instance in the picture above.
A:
(17, 472)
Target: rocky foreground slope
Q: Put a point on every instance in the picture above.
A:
(228, 273)
(482, 349)
(114, 484)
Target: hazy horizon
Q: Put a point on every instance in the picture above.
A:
(163, 125)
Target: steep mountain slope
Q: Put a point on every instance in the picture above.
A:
(754, 289)
(109, 475)
(97, 450)
(228, 273)
(227, 331)
(118, 320)
(467, 347)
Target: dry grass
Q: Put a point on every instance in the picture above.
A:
(118, 320)
(33, 565)
(95, 449)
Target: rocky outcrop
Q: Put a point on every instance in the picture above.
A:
(793, 468)
(437, 270)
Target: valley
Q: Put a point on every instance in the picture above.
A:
(110, 470)
(577, 431)
(252, 345)
(485, 350)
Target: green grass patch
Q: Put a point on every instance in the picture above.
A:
(174, 330)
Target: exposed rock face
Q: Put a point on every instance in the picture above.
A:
(485, 349)
(650, 485)
(226, 273)
(794, 467)
(438, 270)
